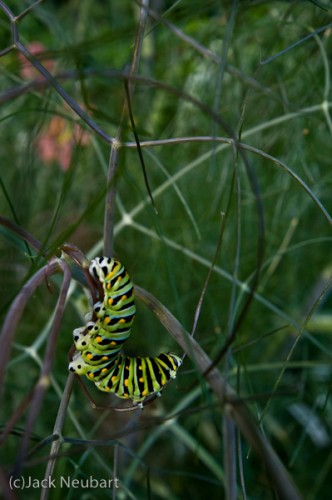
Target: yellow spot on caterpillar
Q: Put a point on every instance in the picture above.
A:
(140, 367)
(113, 378)
(104, 370)
(104, 358)
(107, 320)
(110, 301)
(126, 382)
(122, 320)
(99, 339)
(144, 393)
(89, 355)
(141, 379)
(124, 297)
(113, 342)
(91, 375)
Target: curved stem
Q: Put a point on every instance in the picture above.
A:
(235, 408)
(16, 310)
(44, 378)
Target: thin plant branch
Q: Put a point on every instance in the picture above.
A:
(208, 277)
(44, 378)
(139, 150)
(246, 147)
(57, 432)
(109, 213)
(235, 408)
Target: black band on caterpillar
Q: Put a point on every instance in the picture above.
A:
(115, 313)
(99, 342)
(128, 377)
(137, 378)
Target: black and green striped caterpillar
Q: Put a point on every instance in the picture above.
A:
(115, 314)
(98, 344)
(128, 377)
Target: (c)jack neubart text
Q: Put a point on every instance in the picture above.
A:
(22, 483)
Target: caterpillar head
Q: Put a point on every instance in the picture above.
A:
(171, 362)
(177, 361)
